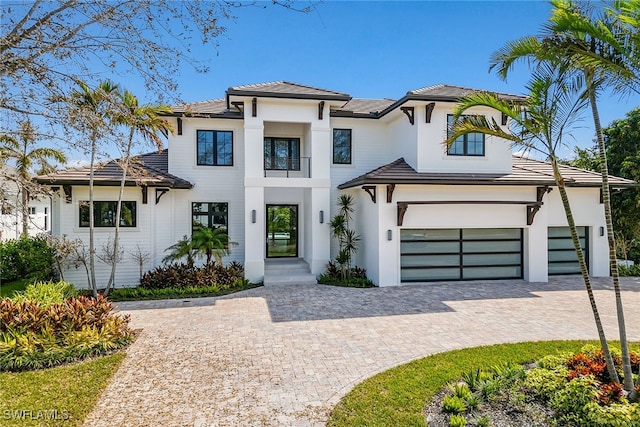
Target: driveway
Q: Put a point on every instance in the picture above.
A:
(285, 355)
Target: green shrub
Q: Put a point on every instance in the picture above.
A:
(453, 405)
(185, 276)
(46, 293)
(634, 270)
(349, 282)
(128, 294)
(615, 415)
(545, 383)
(35, 336)
(483, 421)
(27, 257)
(457, 421)
(460, 390)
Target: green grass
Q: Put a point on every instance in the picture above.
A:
(7, 289)
(138, 294)
(66, 392)
(398, 396)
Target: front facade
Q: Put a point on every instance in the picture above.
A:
(268, 162)
(39, 210)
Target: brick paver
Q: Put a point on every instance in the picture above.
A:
(279, 356)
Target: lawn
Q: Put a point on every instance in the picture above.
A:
(398, 396)
(7, 289)
(58, 396)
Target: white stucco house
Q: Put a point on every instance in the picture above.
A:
(268, 162)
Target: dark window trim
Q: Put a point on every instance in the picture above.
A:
(85, 205)
(291, 165)
(210, 214)
(350, 146)
(465, 139)
(215, 150)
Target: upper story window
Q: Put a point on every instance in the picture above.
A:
(215, 148)
(32, 211)
(209, 214)
(342, 146)
(471, 144)
(104, 214)
(282, 153)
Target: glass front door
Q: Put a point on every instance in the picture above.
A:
(282, 231)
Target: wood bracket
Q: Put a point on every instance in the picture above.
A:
(601, 196)
(145, 194)
(179, 126)
(533, 208)
(320, 110)
(429, 111)
(67, 193)
(410, 112)
(402, 209)
(254, 107)
(390, 189)
(160, 192)
(504, 119)
(371, 191)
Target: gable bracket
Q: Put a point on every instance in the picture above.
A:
(533, 208)
(145, 194)
(371, 191)
(390, 189)
(320, 110)
(504, 119)
(402, 209)
(429, 111)
(67, 193)
(159, 193)
(410, 112)
(179, 126)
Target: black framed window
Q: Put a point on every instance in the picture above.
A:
(215, 148)
(342, 146)
(471, 144)
(209, 214)
(104, 214)
(282, 154)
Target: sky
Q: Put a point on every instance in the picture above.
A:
(373, 50)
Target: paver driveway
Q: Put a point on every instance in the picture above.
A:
(286, 355)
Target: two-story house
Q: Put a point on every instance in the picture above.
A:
(268, 162)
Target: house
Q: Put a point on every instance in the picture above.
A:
(268, 162)
(11, 209)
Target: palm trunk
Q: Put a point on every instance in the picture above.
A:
(92, 251)
(24, 195)
(583, 270)
(613, 263)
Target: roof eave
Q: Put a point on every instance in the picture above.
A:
(260, 94)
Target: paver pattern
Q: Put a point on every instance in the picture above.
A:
(285, 355)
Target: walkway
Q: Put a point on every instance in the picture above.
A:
(285, 355)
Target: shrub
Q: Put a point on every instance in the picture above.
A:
(634, 270)
(457, 421)
(453, 405)
(27, 257)
(46, 293)
(356, 279)
(185, 275)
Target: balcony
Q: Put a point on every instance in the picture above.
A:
(287, 167)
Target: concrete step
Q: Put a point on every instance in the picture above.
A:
(288, 271)
(297, 279)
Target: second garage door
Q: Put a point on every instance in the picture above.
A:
(460, 254)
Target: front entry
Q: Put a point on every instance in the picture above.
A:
(282, 231)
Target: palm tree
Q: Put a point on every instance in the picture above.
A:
(25, 155)
(601, 52)
(145, 121)
(181, 249)
(210, 242)
(91, 114)
(540, 124)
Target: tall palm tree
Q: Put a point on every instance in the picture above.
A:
(142, 120)
(540, 124)
(601, 51)
(26, 156)
(90, 112)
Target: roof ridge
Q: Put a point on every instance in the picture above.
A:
(413, 91)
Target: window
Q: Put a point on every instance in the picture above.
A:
(104, 214)
(32, 211)
(210, 215)
(342, 146)
(282, 154)
(471, 144)
(215, 148)
(46, 218)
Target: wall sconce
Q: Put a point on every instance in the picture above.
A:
(321, 217)
(389, 236)
(601, 231)
(253, 216)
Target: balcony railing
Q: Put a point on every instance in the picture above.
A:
(287, 167)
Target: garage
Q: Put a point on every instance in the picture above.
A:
(460, 254)
(562, 255)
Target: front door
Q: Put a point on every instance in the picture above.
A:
(282, 231)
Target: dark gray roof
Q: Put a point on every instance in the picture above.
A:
(524, 172)
(149, 169)
(213, 107)
(283, 89)
(363, 106)
(454, 93)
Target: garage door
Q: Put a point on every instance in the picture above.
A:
(460, 254)
(562, 255)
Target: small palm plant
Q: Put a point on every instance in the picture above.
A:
(348, 239)
(210, 242)
(181, 249)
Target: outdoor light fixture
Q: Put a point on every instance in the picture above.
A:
(253, 216)
(388, 234)
(601, 231)
(321, 217)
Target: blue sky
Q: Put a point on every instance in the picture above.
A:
(373, 50)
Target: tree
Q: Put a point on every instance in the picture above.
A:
(347, 238)
(181, 249)
(601, 51)
(540, 124)
(26, 156)
(90, 112)
(142, 120)
(210, 242)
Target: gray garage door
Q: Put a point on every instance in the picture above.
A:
(460, 254)
(562, 255)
